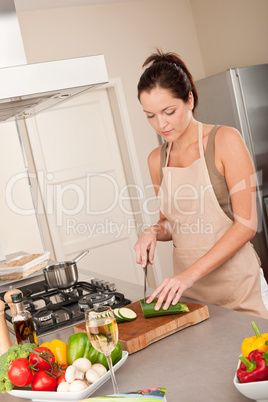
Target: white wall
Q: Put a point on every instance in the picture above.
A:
(231, 33)
(18, 228)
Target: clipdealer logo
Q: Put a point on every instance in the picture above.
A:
(106, 227)
(56, 197)
(114, 214)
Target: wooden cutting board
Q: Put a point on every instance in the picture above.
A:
(142, 332)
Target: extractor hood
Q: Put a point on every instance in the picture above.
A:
(26, 89)
(30, 88)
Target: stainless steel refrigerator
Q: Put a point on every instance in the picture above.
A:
(238, 97)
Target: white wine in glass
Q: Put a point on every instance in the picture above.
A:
(102, 332)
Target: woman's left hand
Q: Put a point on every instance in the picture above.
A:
(171, 290)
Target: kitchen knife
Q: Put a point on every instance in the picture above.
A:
(145, 276)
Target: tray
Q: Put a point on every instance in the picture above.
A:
(23, 271)
(67, 396)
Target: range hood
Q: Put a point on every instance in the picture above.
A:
(31, 88)
(26, 89)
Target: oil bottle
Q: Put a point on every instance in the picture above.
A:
(22, 321)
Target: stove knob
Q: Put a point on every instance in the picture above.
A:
(100, 282)
(111, 287)
(94, 281)
(105, 285)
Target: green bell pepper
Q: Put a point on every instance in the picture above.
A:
(80, 346)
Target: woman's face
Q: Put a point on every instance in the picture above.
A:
(168, 116)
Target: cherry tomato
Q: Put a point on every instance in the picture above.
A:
(59, 369)
(61, 379)
(19, 372)
(63, 367)
(39, 362)
(43, 381)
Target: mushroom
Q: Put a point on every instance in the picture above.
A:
(92, 376)
(77, 386)
(63, 387)
(73, 373)
(82, 364)
(100, 368)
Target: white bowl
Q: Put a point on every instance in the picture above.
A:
(67, 396)
(258, 391)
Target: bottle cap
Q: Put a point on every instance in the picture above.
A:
(16, 297)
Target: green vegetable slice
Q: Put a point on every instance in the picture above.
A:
(127, 314)
(149, 311)
(118, 318)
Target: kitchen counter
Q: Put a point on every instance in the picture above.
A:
(195, 364)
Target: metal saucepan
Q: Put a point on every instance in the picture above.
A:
(63, 275)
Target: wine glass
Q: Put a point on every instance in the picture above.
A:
(102, 332)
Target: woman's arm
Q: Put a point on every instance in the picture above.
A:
(233, 160)
(161, 231)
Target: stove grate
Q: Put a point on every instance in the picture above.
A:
(54, 309)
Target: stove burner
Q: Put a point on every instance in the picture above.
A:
(54, 309)
(44, 315)
(96, 300)
(68, 290)
(28, 304)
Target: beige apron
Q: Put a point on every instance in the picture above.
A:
(189, 203)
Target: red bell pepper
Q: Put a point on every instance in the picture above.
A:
(253, 368)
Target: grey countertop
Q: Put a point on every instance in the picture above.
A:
(197, 363)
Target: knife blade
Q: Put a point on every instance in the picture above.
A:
(145, 277)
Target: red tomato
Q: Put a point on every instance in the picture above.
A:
(20, 373)
(44, 382)
(61, 379)
(42, 363)
(59, 369)
(63, 367)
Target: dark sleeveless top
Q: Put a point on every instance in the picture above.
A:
(217, 179)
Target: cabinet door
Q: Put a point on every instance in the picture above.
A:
(83, 185)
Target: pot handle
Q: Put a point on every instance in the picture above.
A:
(81, 255)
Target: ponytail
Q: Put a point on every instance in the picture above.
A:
(167, 70)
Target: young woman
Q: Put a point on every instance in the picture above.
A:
(205, 181)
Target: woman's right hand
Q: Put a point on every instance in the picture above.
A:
(147, 241)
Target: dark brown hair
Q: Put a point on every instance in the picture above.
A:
(167, 70)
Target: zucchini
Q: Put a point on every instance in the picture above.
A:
(149, 311)
(124, 314)
(117, 317)
(127, 314)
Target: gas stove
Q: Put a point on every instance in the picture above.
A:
(53, 309)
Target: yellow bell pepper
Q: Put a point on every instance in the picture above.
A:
(59, 349)
(255, 342)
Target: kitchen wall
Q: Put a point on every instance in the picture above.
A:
(231, 33)
(18, 228)
(210, 35)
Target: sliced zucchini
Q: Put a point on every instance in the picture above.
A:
(149, 311)
(127, 314)
(116, 311)
(117, 316)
